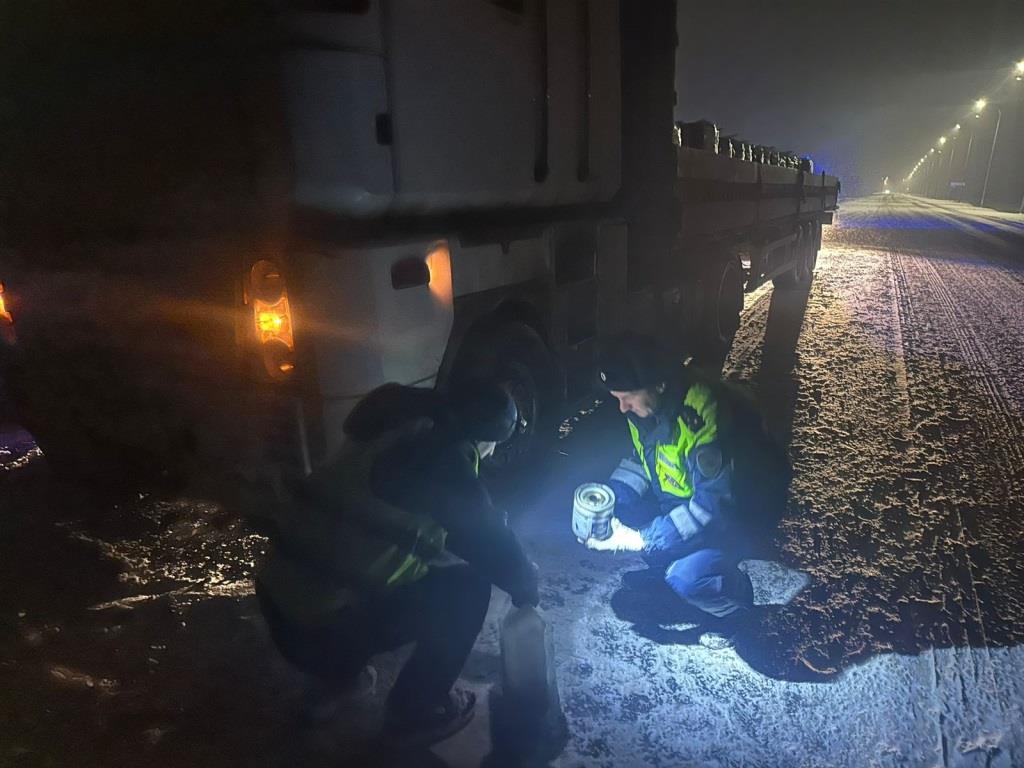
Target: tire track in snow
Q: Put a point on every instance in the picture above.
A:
(1002, 410)
(974, 650)
(1000, 291)
(904, 316)
(902, 312)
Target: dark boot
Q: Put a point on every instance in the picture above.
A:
(421, 726)
(720, 632)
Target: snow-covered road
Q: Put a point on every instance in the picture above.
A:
(899, 384)
(892, 593)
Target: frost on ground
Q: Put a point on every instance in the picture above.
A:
(898, 384)
(889, 599)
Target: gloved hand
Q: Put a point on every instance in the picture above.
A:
(623, 539)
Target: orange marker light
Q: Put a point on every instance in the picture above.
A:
(274, 321)
(272, 318)
(7, 335)
(4, 314)
(439, 263)
(269, 322)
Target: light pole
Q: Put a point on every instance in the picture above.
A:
(952, 154)
(1018, 70)
(991, 153)
(967, 158)
(929, 187)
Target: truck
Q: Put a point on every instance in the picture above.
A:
(226, 223)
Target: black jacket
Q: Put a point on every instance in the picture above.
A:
(435, 474)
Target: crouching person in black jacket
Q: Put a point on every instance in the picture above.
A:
(355, 569)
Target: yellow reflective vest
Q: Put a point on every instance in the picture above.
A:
(696, 424)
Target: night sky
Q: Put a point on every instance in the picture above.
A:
(863, 87)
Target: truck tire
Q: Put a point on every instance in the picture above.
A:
(722, 290)
(513, 354)
(805, 255)
(813, 245)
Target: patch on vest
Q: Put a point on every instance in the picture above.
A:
(693, 420)
(709, 460)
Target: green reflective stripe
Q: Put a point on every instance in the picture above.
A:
(398, 568)
(670, 459)
(702, 400)
(667, 457)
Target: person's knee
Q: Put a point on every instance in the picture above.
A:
(692, 582)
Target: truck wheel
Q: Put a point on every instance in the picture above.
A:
(79, 431)
(813, 245)
(722, 288)
(801, 250)
(515, 355)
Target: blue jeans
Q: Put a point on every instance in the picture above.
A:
(702, 570)
(709, 580)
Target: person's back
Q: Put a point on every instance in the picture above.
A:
(761, 468)
(437, 474)
(401, 493)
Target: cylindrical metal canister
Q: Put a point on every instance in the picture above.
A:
(593, 506)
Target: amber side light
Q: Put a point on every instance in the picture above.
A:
(274, 321)
(5, 316)
(272, 318)
(7, 334)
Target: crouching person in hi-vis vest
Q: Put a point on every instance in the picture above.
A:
(674, 491)
(355, 568)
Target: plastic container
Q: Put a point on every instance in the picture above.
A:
(527, 718)
(593, 506)
(527, 658)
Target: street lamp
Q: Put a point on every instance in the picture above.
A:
(979, 105)
(1018, 70)
(952, 155)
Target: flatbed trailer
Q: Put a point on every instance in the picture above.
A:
(762, 207)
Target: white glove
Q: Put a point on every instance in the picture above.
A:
(623, 539)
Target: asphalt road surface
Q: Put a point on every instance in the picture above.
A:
(891, 595)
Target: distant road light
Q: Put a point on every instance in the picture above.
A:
(942, 140)
(980, 104)
(1019, 69)
(956, 127)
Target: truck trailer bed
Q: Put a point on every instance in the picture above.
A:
(721, 195)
